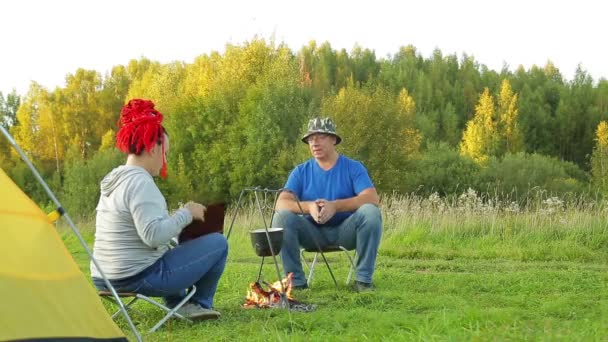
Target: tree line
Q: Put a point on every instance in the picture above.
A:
(441, 123)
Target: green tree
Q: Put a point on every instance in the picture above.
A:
(364, 65)
(269, 126)
(180, 188)
(8, 119)
(8, 109)
(372, 119)
(577, 119)
(471, 85)
(344, 69)
(80, 191)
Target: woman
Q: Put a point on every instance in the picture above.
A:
(133, 227)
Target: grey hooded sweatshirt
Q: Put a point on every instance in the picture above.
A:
(133, 226)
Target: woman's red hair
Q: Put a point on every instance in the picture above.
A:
(139, 128)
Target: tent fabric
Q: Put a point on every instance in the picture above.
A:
(43, 293)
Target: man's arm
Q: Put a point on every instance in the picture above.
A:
(330, 208)
(366, 196)
(287, 200)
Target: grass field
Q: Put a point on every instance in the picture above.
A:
(462, 270)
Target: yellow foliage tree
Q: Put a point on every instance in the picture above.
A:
(25, 133)
(479, 139)
(599, 158)
(412, 138)
(511, 137)
(493, 131)
(81, 111)
(108, 140)
(50, 135)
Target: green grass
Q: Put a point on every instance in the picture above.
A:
(441, 275)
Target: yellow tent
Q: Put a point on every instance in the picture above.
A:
(43, 294)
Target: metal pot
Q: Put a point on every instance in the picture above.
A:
(259, 241)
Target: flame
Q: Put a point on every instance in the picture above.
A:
(258, 297)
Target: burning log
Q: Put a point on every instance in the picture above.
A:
(258, 297)
(274, 297)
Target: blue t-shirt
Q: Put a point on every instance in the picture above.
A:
(347, 178)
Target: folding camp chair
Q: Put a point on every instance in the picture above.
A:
(327, 249)
(107, 295)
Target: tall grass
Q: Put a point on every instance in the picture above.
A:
(471, 226)
(412, 220)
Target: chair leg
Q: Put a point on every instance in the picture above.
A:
(352, 263)
(132, 301)
(303, 258)
(170, 312)
(331, 273)
(113, 301)
(351, 270)
(312, 269)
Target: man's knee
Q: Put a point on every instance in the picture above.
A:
(283, 218)
(371, 218)
(370, 212)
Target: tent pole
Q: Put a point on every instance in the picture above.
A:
(72, 226)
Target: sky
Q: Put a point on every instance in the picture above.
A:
(43, 40)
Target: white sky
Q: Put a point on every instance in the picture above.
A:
(44, 40)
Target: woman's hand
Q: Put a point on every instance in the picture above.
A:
(197, 210)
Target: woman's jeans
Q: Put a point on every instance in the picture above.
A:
(199, 261)
(361, 231)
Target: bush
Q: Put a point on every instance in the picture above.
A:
(27, 182)
(81, 183)
(443, 170)
(520, 176)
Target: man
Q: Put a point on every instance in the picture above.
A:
(133, 227)
(331, 199)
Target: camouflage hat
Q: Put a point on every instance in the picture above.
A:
(318, 125)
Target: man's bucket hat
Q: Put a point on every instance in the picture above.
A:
(318, 125)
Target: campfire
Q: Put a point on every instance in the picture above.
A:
(274, 297)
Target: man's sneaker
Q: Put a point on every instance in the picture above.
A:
(363, 287)
(196, 312)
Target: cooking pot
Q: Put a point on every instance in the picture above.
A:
(259, 241)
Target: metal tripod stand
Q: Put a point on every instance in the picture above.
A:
(265, 191)
(257, 191)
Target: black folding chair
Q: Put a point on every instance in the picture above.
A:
(327, 249)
